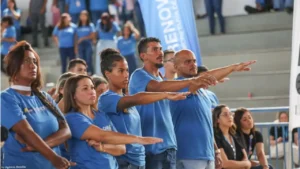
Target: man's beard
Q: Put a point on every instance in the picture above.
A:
(159, 65)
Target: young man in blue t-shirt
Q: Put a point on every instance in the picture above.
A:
(156, 118)
(192, 118)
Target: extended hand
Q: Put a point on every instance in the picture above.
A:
(203, 81)
(149, 140)
(244, 66)
(177, 95)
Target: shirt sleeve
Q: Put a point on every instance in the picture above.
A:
(55, 31)
(139, 81)
(259, 137)
(108, 103)
(93, 29)
(11, 33)
(78, 124)
(218, 141)
(11, 112)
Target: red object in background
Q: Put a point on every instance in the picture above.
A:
(249, 95)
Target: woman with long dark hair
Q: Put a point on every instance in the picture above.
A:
(90, 125)
(251, 139)
(121, 108)
(13, 11)
(107, 32)
(233, 153)
(36, 125)
(85, 36)
(64, 38)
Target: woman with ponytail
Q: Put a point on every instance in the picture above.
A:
(251, 139)
(36, 125)
(120, 107)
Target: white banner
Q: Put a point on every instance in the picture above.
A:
(295, 70)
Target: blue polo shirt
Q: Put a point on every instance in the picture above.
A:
(66, 36)
(192, 120)
(156, 119)
(127, 46)
(83, 31)
(127, 122)
(213, 98)
(7, 12)
(16, 107)
(9, 32)
(84, 155)
(76, 6)
(111, 34)
(99, 5)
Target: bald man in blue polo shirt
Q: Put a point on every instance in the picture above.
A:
(192, 118)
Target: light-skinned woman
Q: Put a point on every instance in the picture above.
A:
(94, 143)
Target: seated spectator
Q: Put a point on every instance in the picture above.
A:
(251, 139)
(74, 7)
(8, 37)
(32, 117)
(261, 6)
(64, 37)
(170, 71)
(77, 66)
(13, 11)
(85, 37)
(282, 135)
(127, 45)
(89, 124)
(101, 85)
(233, 153)
(212, 96)
(107, 32)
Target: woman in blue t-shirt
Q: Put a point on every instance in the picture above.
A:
(74, 7)
(13, 11)
(36, 125)
(121, 108)
(8, 37)
(127, 44)
(94, 143)
(107, 32)
(64, 38)
(85, 35)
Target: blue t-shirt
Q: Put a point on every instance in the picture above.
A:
(156, 119)
(128, 122)
(76, 6)
(65, 36)
(9, 32)
(213, 98)
(7, 12)
(16, 107)
(99, 5)
(83, 31)
(84, 155)
(127, 46)
(110, 35)
(193, 125)
(3, 6)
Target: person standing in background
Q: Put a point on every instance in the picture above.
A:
(85, 36)
(37, 11)
(107, 32)
(74, 7)
(64, 38)
(127, 45)
(97, 8)
(61, 4)
(170, 72)
(8, 37)
(212, 7)
(13, 11)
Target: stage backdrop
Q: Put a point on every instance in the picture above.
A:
(295, 70)
(173, 22)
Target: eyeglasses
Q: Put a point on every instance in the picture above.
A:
(227, 114)
(169, 60)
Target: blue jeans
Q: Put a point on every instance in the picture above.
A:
(75, 17)
(281, 4)
(96, 15)
(66, 53)
(131, 60)
(126, 165)
(85, 51)
(164, 160)
(212, 7)
(195, 164)
(61, 5)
